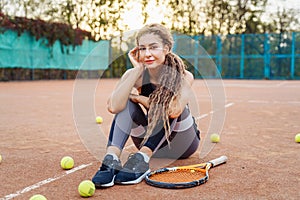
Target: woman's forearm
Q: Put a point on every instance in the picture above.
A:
(119, 96)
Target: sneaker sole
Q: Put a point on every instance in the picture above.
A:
(107, 184)
(136, 180)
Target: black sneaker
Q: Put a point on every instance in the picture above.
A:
(106, 174)
(134, 170)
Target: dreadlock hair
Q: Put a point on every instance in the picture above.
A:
(170, 83)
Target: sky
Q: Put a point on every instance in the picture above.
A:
(133, 17)
(134, 21)
(274, 4)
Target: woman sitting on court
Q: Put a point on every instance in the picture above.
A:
(164, 127)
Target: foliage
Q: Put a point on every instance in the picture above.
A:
(212, 17)
(100, 17)
(185, 16)
(104, 19)
(284, 20)
(52, 31)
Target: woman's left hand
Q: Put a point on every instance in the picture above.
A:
(139, 99)
(134, 98)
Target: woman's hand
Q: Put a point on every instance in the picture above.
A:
(140, 99)
(134, 98)
(134, 58)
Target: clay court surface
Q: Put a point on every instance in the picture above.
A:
(37, 128)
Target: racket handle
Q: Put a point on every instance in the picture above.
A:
(218, 161)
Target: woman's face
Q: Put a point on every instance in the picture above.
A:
(152, 51)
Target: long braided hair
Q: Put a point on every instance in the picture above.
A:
(170, 83)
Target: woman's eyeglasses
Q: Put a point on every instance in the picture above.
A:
(152, 50)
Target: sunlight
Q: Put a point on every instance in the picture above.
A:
(133, 18)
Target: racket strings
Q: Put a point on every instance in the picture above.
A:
(178, 176)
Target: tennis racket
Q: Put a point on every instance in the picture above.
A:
(183, 176)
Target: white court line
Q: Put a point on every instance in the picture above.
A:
(201, 116)
(228, 105)
(293, 102)
(44, 182)
(258, 101)
(272, 102)
(281, 84)
(211, 112)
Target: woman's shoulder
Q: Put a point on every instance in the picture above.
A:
(189, 77)
(127, 74)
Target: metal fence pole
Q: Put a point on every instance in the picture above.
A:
(292, 75)
(196, 48)
(267, 57)
(242, 57)
(219, 54)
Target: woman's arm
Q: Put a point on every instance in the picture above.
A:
(177, 105)
(119, 97)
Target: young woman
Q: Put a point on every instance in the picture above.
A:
(151, 105)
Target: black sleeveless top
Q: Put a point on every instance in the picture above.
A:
(147, 86)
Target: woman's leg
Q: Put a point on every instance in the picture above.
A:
(184, 139)
(183, 142)
(131, 116)
(131, 119)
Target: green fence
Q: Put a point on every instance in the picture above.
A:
(26, 52)
(244, 56)
(249, 56)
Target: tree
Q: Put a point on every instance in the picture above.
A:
(285, 20)
(216, 12)
(100, 17)
(185, 16)
(254, 22)
(144, 10)
(233, 16)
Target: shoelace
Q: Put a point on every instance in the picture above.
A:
(132, 162)
(108, 164)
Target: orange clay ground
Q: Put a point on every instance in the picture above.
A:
(37, 128)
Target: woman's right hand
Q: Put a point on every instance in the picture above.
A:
(134, 58)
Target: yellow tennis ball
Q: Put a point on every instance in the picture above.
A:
(67, 162)
(86, 188)
(0, 158)
(297, 138)
(215, 138)
(99, 119)
(38, 197)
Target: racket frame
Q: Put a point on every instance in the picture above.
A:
(203, 167)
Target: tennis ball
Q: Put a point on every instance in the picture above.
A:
(67, 162)
(297, 138)
(86, 188)
(214, 138)
(0, 158)
(99, 120)
(38, 197)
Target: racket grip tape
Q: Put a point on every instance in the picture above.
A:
(218, 161)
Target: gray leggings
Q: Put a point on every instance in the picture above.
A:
(184, 138)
